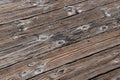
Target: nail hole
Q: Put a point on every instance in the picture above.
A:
(61, 42)
(104, 28)
(38, 71)
(24, 73)
(42, 65)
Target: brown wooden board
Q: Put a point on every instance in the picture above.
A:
(59, 39)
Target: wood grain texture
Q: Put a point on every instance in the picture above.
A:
(113, 74)
(59, 39)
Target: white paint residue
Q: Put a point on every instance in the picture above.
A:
(79, 10)
(71, 10)
(106, 11)
(107, 14)
(43, 37)
(83, 27)
(35, 2)
(21, 24)
(16, 37)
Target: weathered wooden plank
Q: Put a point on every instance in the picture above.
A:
(23, 4)
(111, 75)
(73, 35)
(18, 39)
(86, 67)
(70, 36)
(5, 1)
(26, 13)
(58, 57)
(38, 48)
(111, 9)
(81, 42)
(45, 18)
(25, 33)
(13, 6)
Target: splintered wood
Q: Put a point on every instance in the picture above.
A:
(59, 39)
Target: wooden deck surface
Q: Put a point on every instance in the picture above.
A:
(59, 39)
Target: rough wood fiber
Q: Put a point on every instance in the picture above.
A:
(59, 39)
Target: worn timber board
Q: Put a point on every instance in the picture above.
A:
(59, 39)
